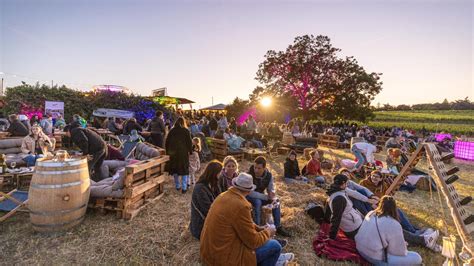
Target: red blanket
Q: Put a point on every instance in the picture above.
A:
(342, 248)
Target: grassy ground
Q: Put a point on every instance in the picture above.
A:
(160, 235)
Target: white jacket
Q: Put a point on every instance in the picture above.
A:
(367, 149)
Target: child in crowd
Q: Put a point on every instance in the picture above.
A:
(292, 172)
(194, 162)
(393, 160)
(313, 168)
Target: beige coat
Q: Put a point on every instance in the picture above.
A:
(28, 144)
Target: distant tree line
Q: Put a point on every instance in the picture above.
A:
(462, 104)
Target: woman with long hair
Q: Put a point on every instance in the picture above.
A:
(36, 145)
(179, 146)
(204, 193)
(381, 239)
(230, 171)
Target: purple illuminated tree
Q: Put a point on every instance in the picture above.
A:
(311, 72)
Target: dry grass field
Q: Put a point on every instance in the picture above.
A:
(160, 234)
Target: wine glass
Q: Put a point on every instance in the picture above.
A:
(13, 164)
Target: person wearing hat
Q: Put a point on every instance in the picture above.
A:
(90, 143)
(343, 214)
(263, 180)
(230, 237)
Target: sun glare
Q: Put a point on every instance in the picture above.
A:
(267, 101)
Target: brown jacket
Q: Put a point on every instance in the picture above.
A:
(229, 235)
(379, 190)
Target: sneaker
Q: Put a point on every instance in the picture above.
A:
(285, 258)
(428, 231)
(183, 191)
(430, 239)
(283, 242)
(282, 232)
(437, 248)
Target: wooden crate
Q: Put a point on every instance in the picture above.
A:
(331, 141)
(9, 182)
(220, 150)
(143, 184)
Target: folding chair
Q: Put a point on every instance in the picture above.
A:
(129, 149)
(11, 202)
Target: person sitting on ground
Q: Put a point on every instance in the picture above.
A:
(229, 236)
(263, 180)
(393, 160)
(204, 193)
(393, 143)
(16, 128)
(313, 168)
(194, 162)
(343, 215)
(131, 125)
(381, 239)
(4, 123)
(292, 172)
(36, 145)
(233, 141)
(230, 171)
(90, 143)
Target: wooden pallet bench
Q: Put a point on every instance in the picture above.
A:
(331, 141)
(9, 181)
(220, 150)
(143, 184)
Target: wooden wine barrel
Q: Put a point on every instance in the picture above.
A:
(58, 195)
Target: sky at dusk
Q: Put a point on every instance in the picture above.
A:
(205, 49)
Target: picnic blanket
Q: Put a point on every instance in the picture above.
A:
(340, 249)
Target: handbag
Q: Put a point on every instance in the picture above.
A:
(385, 257)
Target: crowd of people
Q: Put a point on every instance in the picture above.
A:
(236, 215)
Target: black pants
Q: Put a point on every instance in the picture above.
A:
(95, 164)
(157, 139)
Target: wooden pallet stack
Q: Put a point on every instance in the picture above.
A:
(9, 182)
(220, 150)
(143, 184)
(331, 141)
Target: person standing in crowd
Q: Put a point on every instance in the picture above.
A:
(213, 125)
(90, 143)
(34, 120)
(229, 236)
(131, 125)
(251, 126)
(223, 124)
(36, 145)
(16, 128)
(157, 129)
(178, 147)
(343, 215)
(60, 122)
(47, 124)
(204, 193)
(380, 239)
(263, 180)
(230, 171)
(194, 161)
(233, 124)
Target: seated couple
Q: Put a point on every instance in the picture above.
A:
(223, 222)
(379, 230)
(312, 170)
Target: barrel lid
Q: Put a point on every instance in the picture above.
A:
(66, 162)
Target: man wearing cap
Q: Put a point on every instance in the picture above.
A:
(343, 214)
(263, 180)
(90, 143)
(230, 237)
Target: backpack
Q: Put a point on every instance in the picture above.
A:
(315, 211)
